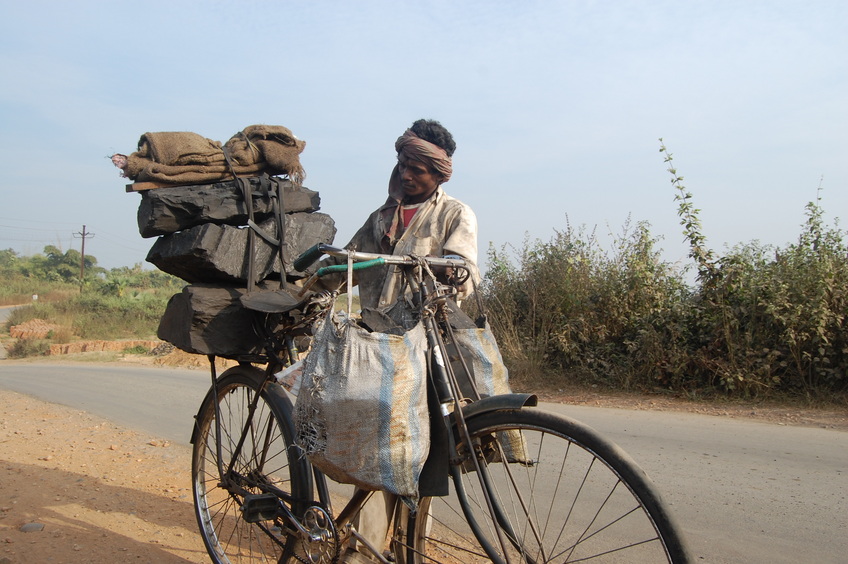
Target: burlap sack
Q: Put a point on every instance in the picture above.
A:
(183, 175)
(273, 146)
(184, 158)
(361, 415)
(178, 148)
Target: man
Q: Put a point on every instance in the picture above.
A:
(418, 218)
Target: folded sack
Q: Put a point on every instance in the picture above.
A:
(180, 148)
(274, 146)
(181, 157)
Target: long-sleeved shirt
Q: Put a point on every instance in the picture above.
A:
(442, 226)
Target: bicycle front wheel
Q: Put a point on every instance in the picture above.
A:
(559, 492)
(258, 459)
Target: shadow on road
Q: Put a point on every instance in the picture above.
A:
(87, 519)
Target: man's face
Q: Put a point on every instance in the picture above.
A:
(418, 181)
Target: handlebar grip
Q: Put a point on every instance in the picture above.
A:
(308, 257)
(343, 267)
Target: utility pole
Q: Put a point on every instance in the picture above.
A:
(84, 235)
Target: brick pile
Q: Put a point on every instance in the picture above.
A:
(32, 329)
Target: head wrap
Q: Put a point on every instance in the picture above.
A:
(411, 147)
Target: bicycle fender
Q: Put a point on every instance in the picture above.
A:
(496, 403)
(207, 399)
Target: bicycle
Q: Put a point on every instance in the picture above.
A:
(525, 485)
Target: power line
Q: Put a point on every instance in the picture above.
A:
(36, 221)
(28, 228)
(135, 248)
(26, 240)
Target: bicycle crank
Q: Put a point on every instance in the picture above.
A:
(321, 539)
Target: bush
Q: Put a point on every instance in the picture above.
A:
(780, 314)
(758, 321)
(568, 306)
(98, 316)
(98, 312)
(22, 348)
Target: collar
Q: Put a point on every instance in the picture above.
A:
(392, 203)
(389, 220)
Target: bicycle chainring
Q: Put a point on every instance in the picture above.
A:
(321, 546)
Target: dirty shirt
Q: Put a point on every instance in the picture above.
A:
(442, 226)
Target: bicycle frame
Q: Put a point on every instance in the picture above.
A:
(528, 485)
(430, 299)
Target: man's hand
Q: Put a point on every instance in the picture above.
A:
(447, 274)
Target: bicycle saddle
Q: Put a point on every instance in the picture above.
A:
(271, 301)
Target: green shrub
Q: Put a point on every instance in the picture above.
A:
(569, 306)
(758, 321)
(98, 316)
(98, 312)
(782, 313)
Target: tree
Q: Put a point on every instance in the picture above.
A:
(8, 260)
(57, 266)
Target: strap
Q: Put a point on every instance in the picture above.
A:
(482, 318)
(229, 160)
(272, 189)
(349, 284)
(279, 214)
(247, 194)
(246, 189)
(262, 233)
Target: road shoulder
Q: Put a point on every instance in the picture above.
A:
(92, 491)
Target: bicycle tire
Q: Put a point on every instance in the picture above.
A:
(267, 458)
(584, 499)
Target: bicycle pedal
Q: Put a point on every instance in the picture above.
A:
(260, 507)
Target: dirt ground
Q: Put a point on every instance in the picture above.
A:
(94, 492)
(97, 493)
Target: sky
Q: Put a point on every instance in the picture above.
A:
(557, 108)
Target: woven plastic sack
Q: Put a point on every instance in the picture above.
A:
(361, 415)
(491, 378)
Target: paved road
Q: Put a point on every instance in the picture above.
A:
(745, 492)
(4, 313)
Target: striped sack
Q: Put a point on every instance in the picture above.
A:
(491, 378)
(361, 415)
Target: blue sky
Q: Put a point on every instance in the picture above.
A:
(556, 106)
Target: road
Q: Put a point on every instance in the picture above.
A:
(5, 311)
(744, 492)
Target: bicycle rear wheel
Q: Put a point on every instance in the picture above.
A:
(266, 463)
(560, 492)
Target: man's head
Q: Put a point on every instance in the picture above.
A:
(424, 161)
(434, 132)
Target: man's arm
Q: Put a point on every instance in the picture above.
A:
(462, 241)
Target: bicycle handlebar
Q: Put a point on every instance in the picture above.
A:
(343, 267)
(308, 257)
(365, 260)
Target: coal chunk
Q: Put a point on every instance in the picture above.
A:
(210, 252)
(168, 210)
